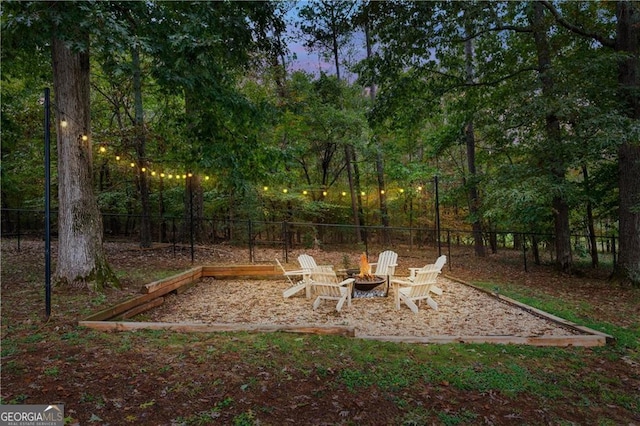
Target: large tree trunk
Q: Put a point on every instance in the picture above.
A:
(554, 155)
(593, 244)
(384, 213)
(474, 201)
(628, 42)
(81, 258)
(141, 142)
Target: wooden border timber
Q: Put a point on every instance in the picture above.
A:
(608, 339)
(153, 295)
(218, 327)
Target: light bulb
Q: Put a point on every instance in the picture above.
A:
(63, 123)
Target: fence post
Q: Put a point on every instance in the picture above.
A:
(524, 251)
(449, 248)
(250, 230)
(613, 251)
(173, 234)
(285, 241)
(46, 231)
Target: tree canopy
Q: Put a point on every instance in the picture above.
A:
(515, 106)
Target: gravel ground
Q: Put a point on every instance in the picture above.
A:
(462, 311)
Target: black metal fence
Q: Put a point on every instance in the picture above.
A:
(185, 233)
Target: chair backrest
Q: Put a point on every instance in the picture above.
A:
(440, 262)
(386, 263)
(280, 265)
(324, 281)
(324, 275)
(307, 262)
(422, 283)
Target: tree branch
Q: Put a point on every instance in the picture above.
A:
(607, 42)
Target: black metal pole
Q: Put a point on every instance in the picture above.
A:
(47, 204)
(190, 183)
(435, 180)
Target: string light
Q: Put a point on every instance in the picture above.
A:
(63, 123)
(103, 150)
(285, 190)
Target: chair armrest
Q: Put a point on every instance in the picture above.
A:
(402, 282)
(346, 282)
(298, 272)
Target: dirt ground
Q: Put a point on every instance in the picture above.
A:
(99, 381)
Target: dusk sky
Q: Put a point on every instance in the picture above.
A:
(313, 62)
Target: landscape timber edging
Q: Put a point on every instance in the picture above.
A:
(608, 339)
(154, 292)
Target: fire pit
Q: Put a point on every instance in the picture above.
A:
(365, 281)
(368, 283)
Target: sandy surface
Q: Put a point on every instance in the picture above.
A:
(462, 311)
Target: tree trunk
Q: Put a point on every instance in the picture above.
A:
(81, 257)
(555, 156)
(474, 201)
(384, 213)
(141, 141)
(593, 244)
(628, 42)
(348, 153)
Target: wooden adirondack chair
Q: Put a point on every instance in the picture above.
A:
(386, 264)
(295, 286)
(309, 263)
(437, 266)
(326, 286)
(413, 292)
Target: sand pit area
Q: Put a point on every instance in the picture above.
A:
(462, 311)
